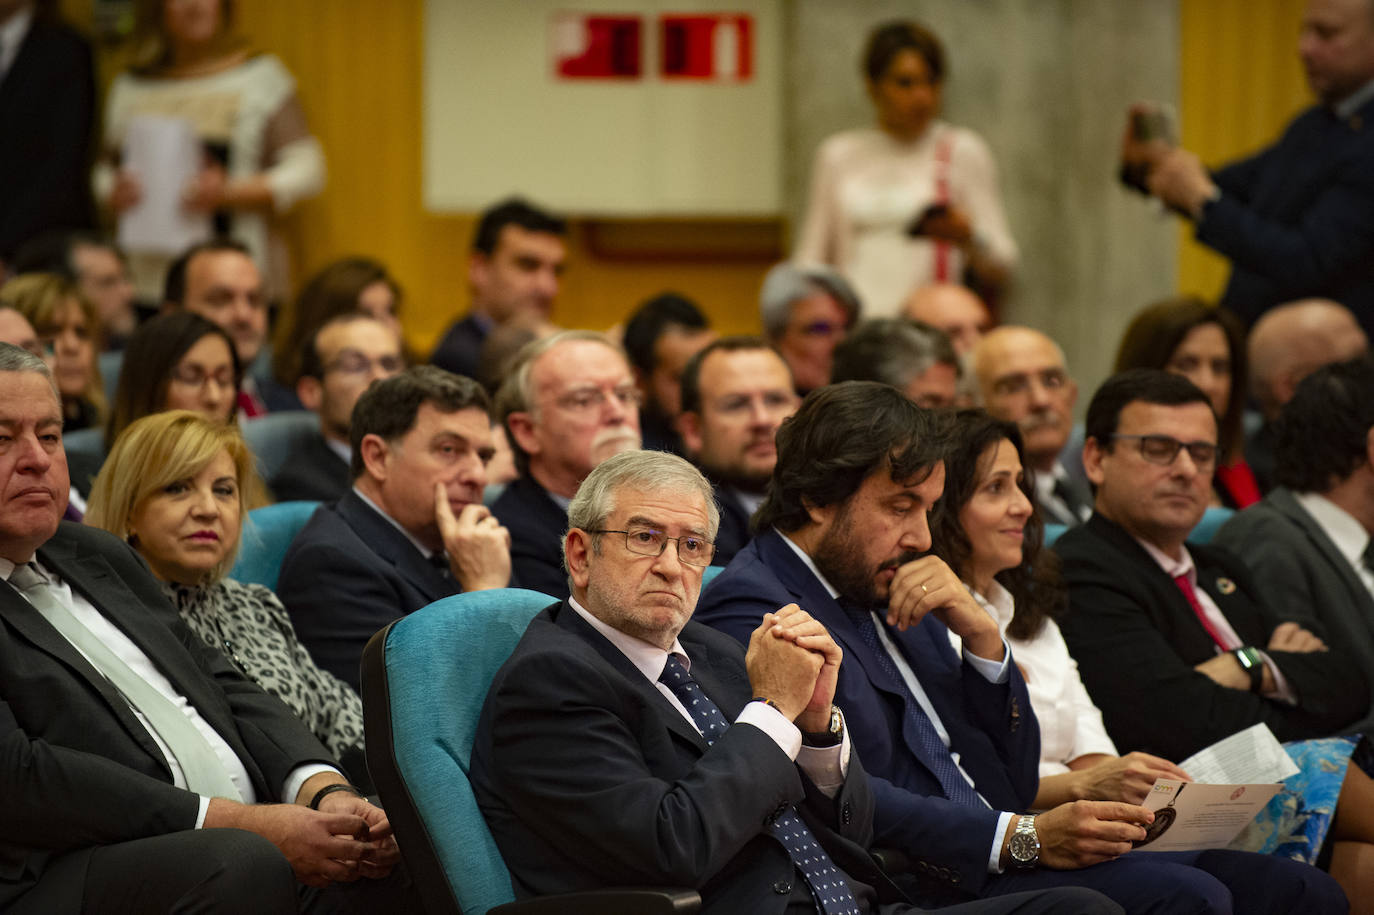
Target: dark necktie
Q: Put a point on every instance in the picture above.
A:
(1066, 494)
(1190, 593)
(827, 884)
(1367, 557)
(952, 781)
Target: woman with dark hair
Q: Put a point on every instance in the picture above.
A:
(68, 327)
(347, 285)
(987, 530)
(913, 200)
(178, 361)
(258, 157)
(1206, 345)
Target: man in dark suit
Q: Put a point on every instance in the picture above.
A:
(620, 745)
(735, 394)
(950, 740)
(1176, 643)
(1296, 219)
(412, 529)
(568, 403)
(133, 756)
(340, 360)
(47, 108)
(1307, 544)
(661, 336)
(513, 275)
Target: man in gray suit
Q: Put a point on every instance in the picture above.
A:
(1308, 543)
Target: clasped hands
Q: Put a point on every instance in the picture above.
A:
(793, 663)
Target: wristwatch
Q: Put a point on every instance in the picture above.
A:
(831, 736)
(1025, 843)
(1252, 662)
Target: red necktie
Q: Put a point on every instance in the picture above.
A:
(1186, 587)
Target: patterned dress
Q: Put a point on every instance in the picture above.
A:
(251, 627)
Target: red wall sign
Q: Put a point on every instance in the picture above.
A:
(718, 46)
(597, 47)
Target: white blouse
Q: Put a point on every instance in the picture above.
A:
(1070, 725)
(866, 187)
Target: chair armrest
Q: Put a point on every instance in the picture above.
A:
(618, 901)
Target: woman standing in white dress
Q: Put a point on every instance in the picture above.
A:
(873, 187)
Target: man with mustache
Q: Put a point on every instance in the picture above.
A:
(1176, 643)
(951, 741)
(568, 402)
(1022, 379)
(735, 394)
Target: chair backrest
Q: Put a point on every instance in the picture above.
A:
(709, 574)
(89, 441)
(1212, 520)
(424, 680)
(1053, 530)
(273, 437)
(266, 535)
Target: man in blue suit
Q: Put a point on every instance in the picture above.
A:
(951, 742)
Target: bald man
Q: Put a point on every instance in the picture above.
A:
(1286, 345)
(1022, 378)
(954, 309)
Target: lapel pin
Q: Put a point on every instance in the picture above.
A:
(1226, 586)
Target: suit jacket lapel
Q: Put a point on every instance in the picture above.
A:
(568, 618)
(390, 544)
(1290, 507)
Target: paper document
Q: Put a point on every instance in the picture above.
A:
(164, 154)
(1232, 781)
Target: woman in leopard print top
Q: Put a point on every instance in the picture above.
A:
(173, 486)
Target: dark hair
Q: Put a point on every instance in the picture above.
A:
(1154, 386)
(153, 351)
(389, 406)
(652, 320)
(51, 252)
(841, 435)
(691, 373)
(1036, 587)
(1322, 434)
(174, 287)
(892, 38)
(892, 351)
(312, 363)
(513, 211)
(1158, 330)
(328, 294)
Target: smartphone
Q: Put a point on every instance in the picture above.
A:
(917, 226)
(1154, 122)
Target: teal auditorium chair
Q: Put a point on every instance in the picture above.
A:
(1212, 520)
(424, 680)
(266, 535)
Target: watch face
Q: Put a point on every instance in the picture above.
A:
(1024, 847)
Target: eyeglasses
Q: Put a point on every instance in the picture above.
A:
(352, 362)
(586, 400)
(193, 376)
(1164, 449)
(821, 329)
(695, 551)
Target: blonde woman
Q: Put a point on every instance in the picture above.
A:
(174, 487)
(69, 330)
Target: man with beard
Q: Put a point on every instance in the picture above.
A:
(1022, 379)
(951, 742)
(568, 402)
(735, 394)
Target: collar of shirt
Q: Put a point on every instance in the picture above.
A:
(1172, 567)
(1044, 482)
(12, 35)
(424, 550)
(648, 659)
(1348, 534)
(749, 501)
(1354, 101)
(7, 567)
(801, 554)
(342, 449)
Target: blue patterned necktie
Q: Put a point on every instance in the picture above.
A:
(952, 781)
(828, 886)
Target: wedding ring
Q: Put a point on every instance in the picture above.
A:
(924, 589)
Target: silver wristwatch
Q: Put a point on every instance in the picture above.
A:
(1025, 843)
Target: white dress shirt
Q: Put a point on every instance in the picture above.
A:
(128, 652)
(825, 766)
(1345, 532)
(992, 671)
(12, 33)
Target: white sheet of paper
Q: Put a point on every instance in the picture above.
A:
(165, 155)
(1247, 757)
(1191, 817)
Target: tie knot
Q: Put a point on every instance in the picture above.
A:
(25, 577)
(675, 673)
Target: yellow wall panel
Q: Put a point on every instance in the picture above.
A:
(1241, 82)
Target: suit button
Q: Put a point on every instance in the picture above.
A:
(782, 887)
(944, 873)
(955, 878)
(923, 867)
(846, 814)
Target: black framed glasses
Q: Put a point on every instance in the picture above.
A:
(1164, 449)
(693, 550)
